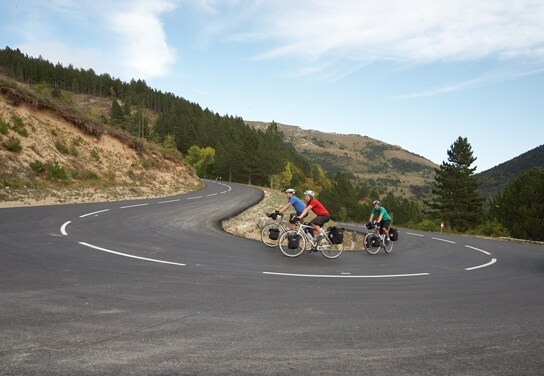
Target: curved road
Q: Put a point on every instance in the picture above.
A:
(156, 287)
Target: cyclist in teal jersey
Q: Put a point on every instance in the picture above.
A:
(384, 220)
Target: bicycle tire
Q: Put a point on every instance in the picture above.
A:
(328, 249)
(388, 247)
(283, 244)
(266, 239)
(369, 241)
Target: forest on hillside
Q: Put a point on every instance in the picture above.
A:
(226, 147)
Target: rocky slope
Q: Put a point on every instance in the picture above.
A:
(49, 157)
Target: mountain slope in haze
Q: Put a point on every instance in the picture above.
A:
(401, 172)
(495, 180)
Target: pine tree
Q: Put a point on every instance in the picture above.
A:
(456, 189)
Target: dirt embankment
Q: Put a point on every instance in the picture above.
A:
(50, 157)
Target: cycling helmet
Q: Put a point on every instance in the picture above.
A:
(376, 202)
(290, 190)
(309, 193)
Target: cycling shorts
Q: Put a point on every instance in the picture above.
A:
(320, 220)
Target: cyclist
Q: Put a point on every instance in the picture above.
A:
(292, 200)
(384, 220)
(322, 214)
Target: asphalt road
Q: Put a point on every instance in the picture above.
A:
(156, 287)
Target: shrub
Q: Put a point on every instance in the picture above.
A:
(494, 229)
(87, 175)
(4, 129)
(428, 225)
(56, 172)
(62, 148)
(37, 166)
(95, 155)
(18, 125)
(13, 144)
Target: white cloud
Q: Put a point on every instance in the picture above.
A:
(143, 46)
(419, 31)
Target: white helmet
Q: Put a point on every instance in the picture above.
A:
(290, 190)
(309, 193)
(376, 202)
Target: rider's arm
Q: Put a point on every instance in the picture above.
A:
(284, 208)
(306, 210)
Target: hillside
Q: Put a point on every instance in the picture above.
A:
(50, 153)
(404, 173)
(497, 178)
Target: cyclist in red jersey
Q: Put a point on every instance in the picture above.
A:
(322, 214)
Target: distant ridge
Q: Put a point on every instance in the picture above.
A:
(362, 158)
(495, 180)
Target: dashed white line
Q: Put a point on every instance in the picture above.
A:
(63, 228)
(411, 233)
(96, 212)
(477, 249)
(493, 260)
(129, 255)
(166, 202)
(347, 276)
(192, 198)
(444, 240)
(212, 194)
(133, 206)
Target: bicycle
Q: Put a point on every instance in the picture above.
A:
(293, 243)
(272, 231)
(375, 240)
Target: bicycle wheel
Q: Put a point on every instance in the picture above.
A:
(265, 234)
(291, 243)
(372, 243)
(329, 249)
(388, 247)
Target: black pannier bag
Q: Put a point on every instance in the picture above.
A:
(293, 241)
(336, 235)
(393, 234)
(373, 241)
(274, 233)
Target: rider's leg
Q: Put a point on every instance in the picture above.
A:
(385, 228)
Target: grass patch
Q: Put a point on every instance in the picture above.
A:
(13, 144)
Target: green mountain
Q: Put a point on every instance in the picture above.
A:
(361, 158)
(494, 180)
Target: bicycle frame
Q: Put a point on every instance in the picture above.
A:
(321, 242)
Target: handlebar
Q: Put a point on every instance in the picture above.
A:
(274, 215)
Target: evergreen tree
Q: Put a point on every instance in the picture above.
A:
(520, 207)
(117, 115)
(456, 190)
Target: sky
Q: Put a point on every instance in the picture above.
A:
(417, 74)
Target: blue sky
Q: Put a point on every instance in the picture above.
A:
(417, 74)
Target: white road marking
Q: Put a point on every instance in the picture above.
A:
(347, 276)
(411, 233)
(96, 212)
(128, 255)
(165, 202)
(133, 206)
(477, 249)
(192, 198)
(494, 260)
(444, 240)
(63, 228)
(212, 194)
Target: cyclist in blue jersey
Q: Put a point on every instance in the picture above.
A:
(294, 201)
